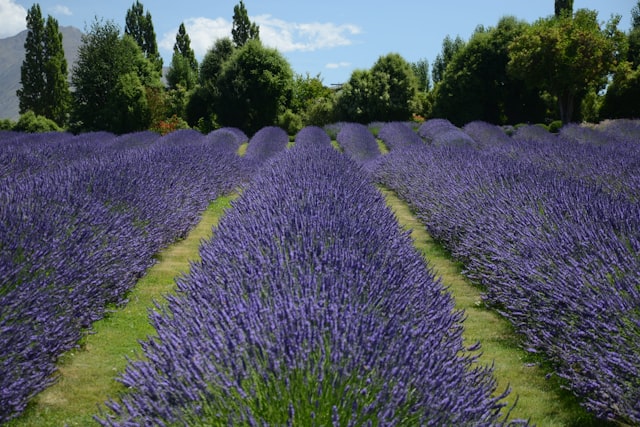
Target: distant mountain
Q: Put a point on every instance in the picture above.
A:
(11, 57)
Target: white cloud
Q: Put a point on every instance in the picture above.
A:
(282, 35)
(203, 33)
(293, 36)
(13, 18)
(61, 10)
(335, 65)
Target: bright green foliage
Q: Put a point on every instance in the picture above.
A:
(310, 100)
(353, 103)
(243, 29)
(45, 89)
(181, 74)
(6, 124)
(402, 84)
(386, 92)
(30, 122)
(254, 87)
(449, 49)
(565, 56)
(476, 85)
(140, 26)
(113, 82)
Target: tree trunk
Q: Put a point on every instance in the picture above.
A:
(565, 102)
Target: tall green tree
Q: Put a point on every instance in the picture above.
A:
(449, 48)
(182, 46)
(421, 70)
(200, 107)
(477, 85)
(139, 25)
(623, 91)
(386, 92)
(113, 82)
(31, 95)
(45, 88)
(184, 66)
(243, 29)
(563, 7)
(565, 56)
(57, 91)
(254, 87)
(634, 37)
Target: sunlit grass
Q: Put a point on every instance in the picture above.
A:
(87, 374)
(540, 400)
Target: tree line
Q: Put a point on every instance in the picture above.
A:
(568, 67)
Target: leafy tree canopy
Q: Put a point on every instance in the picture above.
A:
(111, 77)
(565, 55)
(385, 92)
(476, 85)
(254, 86)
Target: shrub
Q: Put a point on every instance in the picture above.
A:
(30, 122)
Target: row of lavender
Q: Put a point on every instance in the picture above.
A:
(550, 224)
(310, 307)
(80, 220)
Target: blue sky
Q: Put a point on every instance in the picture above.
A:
(327, 37)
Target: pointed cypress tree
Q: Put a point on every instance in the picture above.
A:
(45, 88)
(182, 46)
(562, 7)
(57, 96)
(184, 66)
(140, 26)
(32, 75)
(243, 29)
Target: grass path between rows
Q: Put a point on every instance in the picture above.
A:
(541, 400)
(87, 374)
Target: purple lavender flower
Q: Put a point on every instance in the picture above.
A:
(310, 305)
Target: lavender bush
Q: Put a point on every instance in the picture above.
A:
(443, 132)
(541, 225)
(397, 135)
(76, 233)
(265, 144)
(310, 307)
(359, 143)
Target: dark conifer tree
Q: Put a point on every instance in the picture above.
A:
(140, 26)
(32, 75)
(182, 46)
(563, 6)
(45, 88)
(243, 29)
(57, 95)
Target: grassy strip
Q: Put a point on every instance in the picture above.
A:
(87, 374)
(540, 400)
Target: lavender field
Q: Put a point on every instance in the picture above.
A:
(310, 305)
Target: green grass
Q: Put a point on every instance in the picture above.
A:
(541, 400)
(87, 374)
